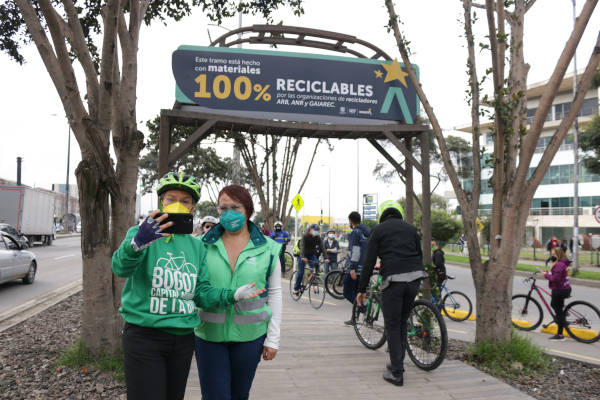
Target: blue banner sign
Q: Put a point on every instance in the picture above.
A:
(370, 207)
(283, 82)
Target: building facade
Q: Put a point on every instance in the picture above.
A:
(552, 210)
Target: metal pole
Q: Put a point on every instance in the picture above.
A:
(357, 175)
(329, 199)
(67, 189)
(575, 168)
(295, 238)
(236, 153)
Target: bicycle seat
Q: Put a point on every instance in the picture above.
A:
(450, 277)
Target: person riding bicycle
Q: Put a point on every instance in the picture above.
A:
(357, 246)
(283, 238)
(438, 260)
(398, 245)
(208, 223)
(558, 282)
(307, 245)
(165, 283)
(333, 248)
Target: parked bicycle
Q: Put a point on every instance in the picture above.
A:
(312, 283)
(426, 333)
(455, 305)
(334, 280)
(582, 319)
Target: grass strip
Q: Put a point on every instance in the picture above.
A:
(78, 357)
(595, 276)
(514, 358)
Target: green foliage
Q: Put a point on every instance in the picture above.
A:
(14, 33)
(596, 81)
(78, 357)
(205, 208)
(589, 141)
(510, 358)
(444, 227)
(211, 171)
(369, 223)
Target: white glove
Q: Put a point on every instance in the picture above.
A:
(244, 292)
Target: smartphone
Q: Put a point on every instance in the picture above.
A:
(183, 223)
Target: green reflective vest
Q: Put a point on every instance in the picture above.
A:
(246, 320)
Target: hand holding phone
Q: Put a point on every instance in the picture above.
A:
(180, 223)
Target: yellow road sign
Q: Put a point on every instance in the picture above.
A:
(480, 226)
(297, 202)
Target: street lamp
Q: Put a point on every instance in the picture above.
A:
(67, 188)
(575, 166)
(535, 221)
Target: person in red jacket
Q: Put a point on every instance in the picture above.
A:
(558, 281)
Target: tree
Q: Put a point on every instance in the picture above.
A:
(212, 172)
(589, 139)
(271, 166)
(512, 190)
(444, 226)
(101, 114)
(369, 223)
(205, 208)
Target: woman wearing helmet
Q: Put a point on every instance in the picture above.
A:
(398, 245)
(208, 223)
(164, 285)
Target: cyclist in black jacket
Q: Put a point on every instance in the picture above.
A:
(398, 245)
(439, 261)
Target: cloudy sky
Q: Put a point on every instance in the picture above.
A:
(34, 127)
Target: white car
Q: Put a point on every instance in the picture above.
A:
(15, 261)
(78, 229)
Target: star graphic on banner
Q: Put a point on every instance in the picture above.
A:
(379, 74)
(395, 72)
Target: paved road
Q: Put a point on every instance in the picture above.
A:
(58, 265)
(569, 348)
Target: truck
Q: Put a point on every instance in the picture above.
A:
(30, 211)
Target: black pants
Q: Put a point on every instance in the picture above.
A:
(157, 363)
(558, 303)
(398, 299)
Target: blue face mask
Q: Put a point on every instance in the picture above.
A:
(315, 233)
(331, 236)
(232, 221)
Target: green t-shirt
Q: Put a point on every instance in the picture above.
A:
(165, 283)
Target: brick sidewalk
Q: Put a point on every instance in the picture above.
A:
(319, 358)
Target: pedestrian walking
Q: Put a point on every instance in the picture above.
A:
(398, 245)
(333, 248)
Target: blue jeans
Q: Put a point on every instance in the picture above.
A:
(329, 267)
(350, 287)
(301, 265)
(226, 369)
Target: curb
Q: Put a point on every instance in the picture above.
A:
(577, 281)
(28, 309)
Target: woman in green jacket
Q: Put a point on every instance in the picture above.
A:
(230, 340)
(166, 280)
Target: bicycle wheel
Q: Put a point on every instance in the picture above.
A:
(368, 323)
(316, 292)
(526, 312)
(427, 337)
(457, 301)
(582, 321)
(334, 283)
(292, 283)
(289, 261)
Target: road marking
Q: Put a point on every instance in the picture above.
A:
(576, 355)
(326, 302)
(70, 255)
(452, 330)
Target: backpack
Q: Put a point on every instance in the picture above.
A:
(297, 248)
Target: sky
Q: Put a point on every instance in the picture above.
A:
(34, 126)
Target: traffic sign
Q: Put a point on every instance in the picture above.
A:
(480, 226)
(297, 202)
(597, 214)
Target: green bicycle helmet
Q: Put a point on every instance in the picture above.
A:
(387, 205)
(179, 181)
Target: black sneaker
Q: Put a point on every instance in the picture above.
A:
(397, 380)
(557, 338)
(349, 323)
